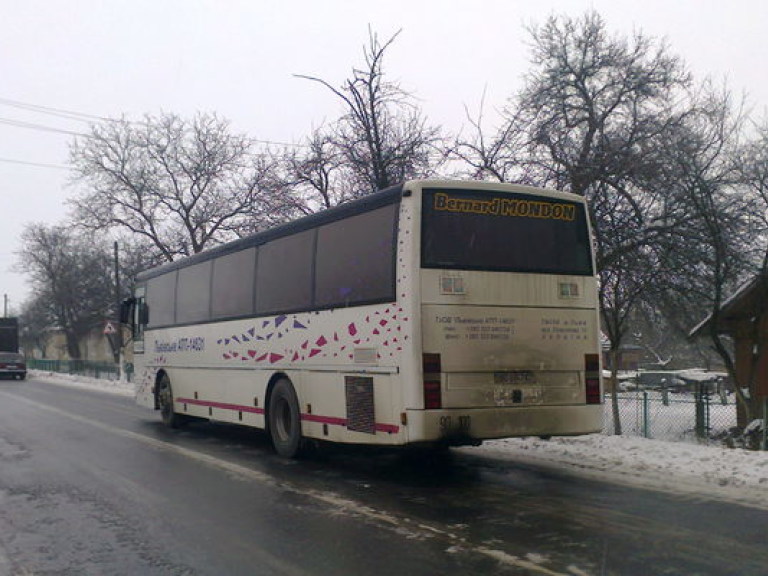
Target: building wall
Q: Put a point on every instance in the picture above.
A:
(744, 347)
(94, 347)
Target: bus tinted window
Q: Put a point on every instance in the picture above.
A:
(233, 278)
(193, 293)
(285, 274)
(355, 259)
(479, 230)
(161, 299)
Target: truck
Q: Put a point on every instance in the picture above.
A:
(12, 363)
(9, 334)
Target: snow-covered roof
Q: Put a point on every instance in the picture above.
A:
(729, 303)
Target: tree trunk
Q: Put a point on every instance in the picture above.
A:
(614, 354)
(73, 346)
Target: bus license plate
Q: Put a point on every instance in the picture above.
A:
(515, 378)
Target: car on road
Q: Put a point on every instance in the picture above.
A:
(13, 365)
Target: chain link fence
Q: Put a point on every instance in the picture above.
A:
(102, 370)
(698, 415)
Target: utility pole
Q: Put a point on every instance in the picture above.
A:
(5, 305)
(118, 325)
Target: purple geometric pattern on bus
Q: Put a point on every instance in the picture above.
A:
(279, 339)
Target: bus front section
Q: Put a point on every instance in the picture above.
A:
(509, 322)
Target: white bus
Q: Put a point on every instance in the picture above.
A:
(433, 312)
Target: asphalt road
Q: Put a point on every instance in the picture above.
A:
(91, 484)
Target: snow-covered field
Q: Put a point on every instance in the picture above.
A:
(698, 471)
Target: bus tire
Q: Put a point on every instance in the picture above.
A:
(284, 419)
(165, 403)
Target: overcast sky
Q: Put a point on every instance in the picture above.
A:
(237, 58)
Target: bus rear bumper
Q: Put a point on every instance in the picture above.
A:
(458, 426)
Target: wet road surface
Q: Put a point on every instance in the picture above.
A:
(91, 484)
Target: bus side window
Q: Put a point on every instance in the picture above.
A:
(126, 310)
(140, 318)
(143, 313)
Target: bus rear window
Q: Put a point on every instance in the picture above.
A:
(479, 230)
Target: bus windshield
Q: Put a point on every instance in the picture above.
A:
(506, 232)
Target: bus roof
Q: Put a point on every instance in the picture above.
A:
(365, 204)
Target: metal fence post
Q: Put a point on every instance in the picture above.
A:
(765, 424)
(721, 390)
(699, 398)
(646, 416)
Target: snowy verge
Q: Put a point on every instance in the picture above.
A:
(76, 381)
(697, 471)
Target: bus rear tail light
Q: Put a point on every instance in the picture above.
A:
(592, 378)
(432, 369)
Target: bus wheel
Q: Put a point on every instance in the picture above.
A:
(165, 401)
(284, 419)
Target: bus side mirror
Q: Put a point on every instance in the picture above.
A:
(144, 314)
(126, 310)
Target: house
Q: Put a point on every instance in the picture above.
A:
(629, 358)
(95, 346)
(744, 318)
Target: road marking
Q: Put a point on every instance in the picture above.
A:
(339, 504)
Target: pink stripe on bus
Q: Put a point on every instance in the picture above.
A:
(388, 428)
(234, 407)
(330, 420)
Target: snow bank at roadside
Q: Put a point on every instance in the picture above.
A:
(698, 470)
(75, 381)
(695, 470)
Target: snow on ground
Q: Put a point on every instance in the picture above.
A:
(696, 471)
(75, 381)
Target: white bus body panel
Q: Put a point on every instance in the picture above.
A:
(465, 425)
(508, 370)
(222, 370)
(512, 349)
(368, 360)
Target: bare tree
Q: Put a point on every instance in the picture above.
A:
(623, 287)
(182, 185)
(382, 138)
(652, 332)
(72, 279)
(595, 104)
(589, 120)
(499, 157)
(314, 173)
(712, 250)
(35, 320)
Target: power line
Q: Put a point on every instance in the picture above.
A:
(90, 118)
(60, 112)
(44, 128)
(32, 126)
(36, 164)
(278, 143)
